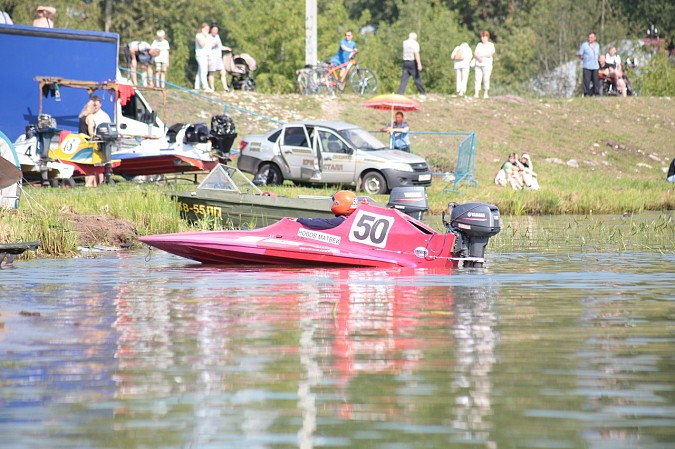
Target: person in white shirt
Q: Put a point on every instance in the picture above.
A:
(97, 117)
(161, 47)
(202, 50)
(45, 17)
(484, 53)
(461, 56)
(216, 60)
(412, 64)
(613, 58)
(5, 19)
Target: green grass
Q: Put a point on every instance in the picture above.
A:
(608, 137)
(651, 232)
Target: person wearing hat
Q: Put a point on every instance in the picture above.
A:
(527, 172)
(45, 17)
(344, 202)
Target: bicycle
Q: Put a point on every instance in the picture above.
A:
(309, 78)
(332, 79)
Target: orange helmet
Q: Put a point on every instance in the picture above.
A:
(344, 202)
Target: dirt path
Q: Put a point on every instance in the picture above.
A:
(331, 108)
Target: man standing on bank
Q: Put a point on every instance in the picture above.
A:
(589, 53)
(412, 65)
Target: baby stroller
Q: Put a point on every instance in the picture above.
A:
(241, 68)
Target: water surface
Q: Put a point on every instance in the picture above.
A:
(572, 349)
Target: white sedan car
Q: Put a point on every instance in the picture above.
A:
(323, 152)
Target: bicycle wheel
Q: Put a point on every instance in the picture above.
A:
(303, 83)
(328, 84)
(362, 81)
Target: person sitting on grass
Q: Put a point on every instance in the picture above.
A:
(671, 172)
(527, 172)
(344, 203)
(509, 173)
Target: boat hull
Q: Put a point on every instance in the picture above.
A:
(155, 165)
(247, 210)
(371, 237)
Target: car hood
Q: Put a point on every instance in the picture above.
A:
(393, 156)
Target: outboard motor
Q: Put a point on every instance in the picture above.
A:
(107, 135)
(196, 133)
(222, 135)
(473, 224)
(409, 200)
(45, 130)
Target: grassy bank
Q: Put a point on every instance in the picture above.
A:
(620, 147)
(593, 155)
(46, 214)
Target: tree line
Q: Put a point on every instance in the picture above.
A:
(531, 36)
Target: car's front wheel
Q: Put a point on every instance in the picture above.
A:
(268, 175)
(373, 183)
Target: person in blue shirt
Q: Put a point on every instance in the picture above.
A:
(589, 53)
(345, 51)
(344, 203)
(399, 132)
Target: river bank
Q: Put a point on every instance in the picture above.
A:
(593, 156)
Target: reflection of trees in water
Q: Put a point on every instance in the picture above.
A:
(608, 368)
(171, 349)
(349, 345)
(475, 343)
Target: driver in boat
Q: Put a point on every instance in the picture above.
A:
(344, 203)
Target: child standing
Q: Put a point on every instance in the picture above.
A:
(161, 45)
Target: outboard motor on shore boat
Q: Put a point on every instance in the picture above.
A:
(107, 135)
(409, 200)
(222, 135)
(44, 131)
(473, 224)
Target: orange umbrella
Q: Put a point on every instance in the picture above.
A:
(393, 102)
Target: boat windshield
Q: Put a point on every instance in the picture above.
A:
(362, 139)
(228, 179)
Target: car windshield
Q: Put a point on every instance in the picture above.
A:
(362, 139)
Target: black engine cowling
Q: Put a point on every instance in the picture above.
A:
(411, 200)
(473, 224)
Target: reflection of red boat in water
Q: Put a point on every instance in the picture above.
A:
(370, 237)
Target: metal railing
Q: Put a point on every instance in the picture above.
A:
(447, 153)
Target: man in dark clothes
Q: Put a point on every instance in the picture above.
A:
(344, 203)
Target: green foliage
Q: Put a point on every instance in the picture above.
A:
(639, 15)
(531, 36)
(658, 77)
(516, 57)
(382, 10)
(438, 33)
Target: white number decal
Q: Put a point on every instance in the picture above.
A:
(370, 229)
(70, 145)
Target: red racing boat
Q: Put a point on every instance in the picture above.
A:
(371, 236)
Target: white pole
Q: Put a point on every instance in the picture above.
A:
(310, 32)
